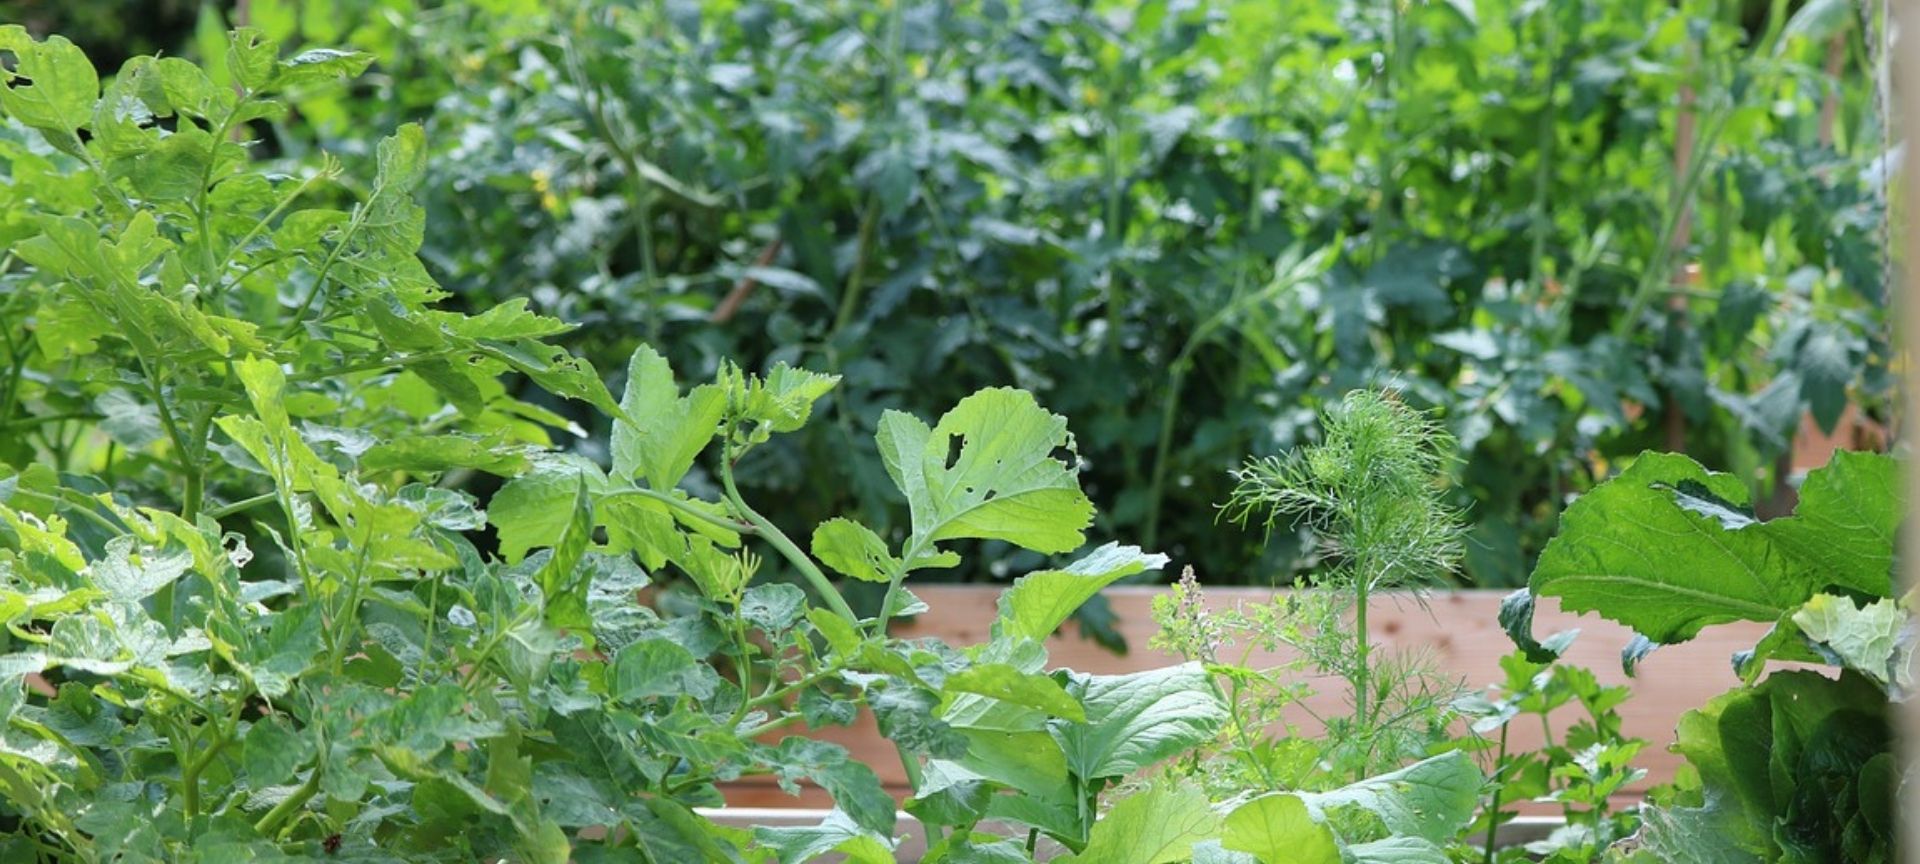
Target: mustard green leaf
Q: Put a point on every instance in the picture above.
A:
(662, 432)
(1617, 544)
(1008, 684)
(1158, 826)
(987, 470)
(1278, 827)
(1431, 799)
(1138, 719)
(1843, 526)
(1038, 603)
(53, 85)
(853, 550)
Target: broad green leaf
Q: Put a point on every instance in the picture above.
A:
(508, 320)
(907, 715)
(641, 526)
(773, 608)
(1867, 640)
(564, 584)
(271, 751)
(319, 64)
(1007, 684)
(1616, 547)
(1276, 828)
(667, 431)
(1211, 852)
(1776, 762)
(1516, 617)
(1004, 482)
(852, 549)
(1430, 799)
(658, 667)
(433, 454)
(837, 833)
(555, 370)
(856, 790)
(840, 635)
(1158, 826)
(273, 662)
(784, 398)
(1396, 850)
(1039, 602)
(1713, 834)
(433, 718)
(1843, 526)
(1139, 719)
(251, 57)
(59, 86)
(124, 579)
(389, 219)
(1030, 762)
(534, 509)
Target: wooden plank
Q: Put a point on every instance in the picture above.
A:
(1459, 630)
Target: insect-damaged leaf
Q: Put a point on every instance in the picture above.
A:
(988, 470)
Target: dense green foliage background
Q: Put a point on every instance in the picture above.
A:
(1184, 225)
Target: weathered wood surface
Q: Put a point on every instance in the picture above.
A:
(1460, 630)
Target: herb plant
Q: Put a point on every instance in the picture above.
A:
(1581, 771)
(1370, 495)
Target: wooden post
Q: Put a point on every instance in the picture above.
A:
(1684, 135)
(1905, 106)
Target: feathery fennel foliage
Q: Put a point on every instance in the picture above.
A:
(1370, 493)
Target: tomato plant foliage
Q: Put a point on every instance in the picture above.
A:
(248, 616)
(1580, 229)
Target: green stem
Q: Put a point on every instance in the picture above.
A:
(1363, 724)
(225, 510)
(681, 506)
(1543, 169)
(1655, 274)
(190, 773)
(778, 696)
(1163, 446)
(856, 276)
(785, 546)
(1493, 808)
(916, 546)
(271, 823)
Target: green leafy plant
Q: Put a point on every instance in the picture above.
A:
(1762, 754)
(209, 360)
(1369, 494)
(1580, 230)
(1582, 771)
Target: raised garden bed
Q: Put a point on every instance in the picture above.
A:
(1460, 628)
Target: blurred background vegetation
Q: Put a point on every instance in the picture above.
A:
(1576, 229)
